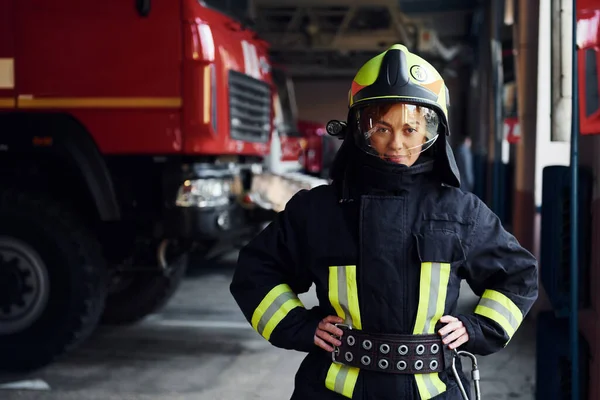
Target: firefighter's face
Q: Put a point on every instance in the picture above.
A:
(398, 134)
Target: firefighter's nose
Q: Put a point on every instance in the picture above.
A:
(396, 142)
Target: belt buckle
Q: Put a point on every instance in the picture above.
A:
(336, 349)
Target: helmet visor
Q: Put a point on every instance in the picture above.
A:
(396, 132)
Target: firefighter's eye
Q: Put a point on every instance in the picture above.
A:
(381, 130)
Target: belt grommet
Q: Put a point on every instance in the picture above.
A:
(350, 340)
(420, 349)
(433, 364)
(383, 363)
(435, 348)
(403, 349)
(365, 360)
(418, 365)
(349, 356)
(384, 348)
(367, 344)
(401, 365)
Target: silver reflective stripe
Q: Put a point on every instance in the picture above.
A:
(500, 309)
(343, 294)
(340, 379)
(430, 386)
(433, 286)
(433, 296)
(273, 308)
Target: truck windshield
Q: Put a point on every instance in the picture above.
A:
(285, 92)
(237, 9)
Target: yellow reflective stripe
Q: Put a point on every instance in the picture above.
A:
(501, 309)
(433, 289)
(423, 391)
(347, 278)
(342, 379)
(506, 302)
(273, 308)
(343, 295)
(429, 385)
(279, 315)
(442, 292)
(333, 292)
(351, 379)
(423, 298)
(332, 374)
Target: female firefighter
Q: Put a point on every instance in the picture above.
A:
(386, 245)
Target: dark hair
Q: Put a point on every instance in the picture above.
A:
(371, 112)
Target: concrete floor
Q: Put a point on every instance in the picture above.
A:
(200, 347)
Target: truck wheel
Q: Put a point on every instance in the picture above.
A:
(52, 281)
(136, 295)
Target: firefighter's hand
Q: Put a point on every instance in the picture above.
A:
(325, 330)
(455, 331)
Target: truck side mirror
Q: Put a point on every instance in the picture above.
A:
(143, 7)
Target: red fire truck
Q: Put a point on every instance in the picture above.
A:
(128, 130)
(312, 159)
(287, 144)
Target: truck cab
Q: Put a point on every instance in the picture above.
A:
(130, 131)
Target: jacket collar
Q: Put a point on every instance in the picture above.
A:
(372, 177)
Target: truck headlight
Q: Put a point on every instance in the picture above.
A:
(202, 193)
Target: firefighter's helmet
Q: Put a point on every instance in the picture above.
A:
(397, 96)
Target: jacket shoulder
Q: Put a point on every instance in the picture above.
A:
(307, 200)
(316, 194)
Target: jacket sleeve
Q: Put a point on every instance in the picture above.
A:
(505, 276)
(270, 273)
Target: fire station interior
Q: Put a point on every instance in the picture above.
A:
(175, 158)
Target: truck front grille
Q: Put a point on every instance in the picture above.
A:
(249, 108)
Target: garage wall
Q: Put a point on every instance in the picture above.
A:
(322, 100)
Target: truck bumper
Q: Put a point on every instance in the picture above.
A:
(221, 222)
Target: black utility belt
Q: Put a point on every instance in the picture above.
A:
(391, 353)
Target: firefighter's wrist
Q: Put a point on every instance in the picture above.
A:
(309, 329)
(473, 344)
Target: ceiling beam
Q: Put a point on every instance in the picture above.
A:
(331, 42)
(429, 6)
(320, 3)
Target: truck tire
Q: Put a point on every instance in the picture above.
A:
(142, 294)
(52, 281)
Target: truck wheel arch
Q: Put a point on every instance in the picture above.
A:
(62, 136)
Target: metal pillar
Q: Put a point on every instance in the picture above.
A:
(498, 199)
(526, 37)
(574, 314)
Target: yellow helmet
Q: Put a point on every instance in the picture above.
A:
(399, 75)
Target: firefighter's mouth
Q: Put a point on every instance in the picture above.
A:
(396, 157)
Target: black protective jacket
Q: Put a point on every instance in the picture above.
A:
(388, 258)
